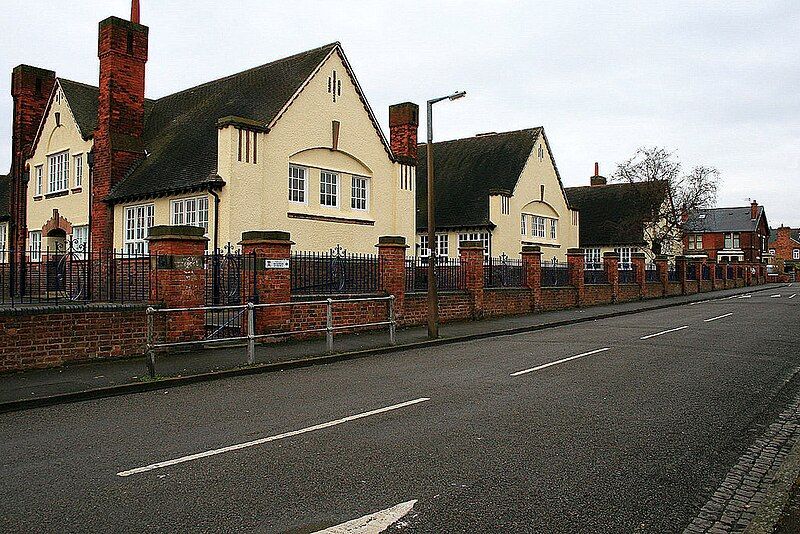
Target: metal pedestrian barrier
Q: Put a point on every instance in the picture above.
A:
(249, 335)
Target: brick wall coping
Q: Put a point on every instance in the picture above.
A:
(265, 236)
(439, 292)
(189, 233)
(392, 240)
(341, 296)
(75, 308)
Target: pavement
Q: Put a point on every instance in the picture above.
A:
(94, 377)
(625, 424)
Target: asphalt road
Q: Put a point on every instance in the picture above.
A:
(630, 439)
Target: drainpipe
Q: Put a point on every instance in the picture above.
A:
(216, 218)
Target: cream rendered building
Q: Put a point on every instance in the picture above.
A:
(292, 145)
(500, 188)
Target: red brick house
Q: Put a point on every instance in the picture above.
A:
(784, 247)
(727, 234)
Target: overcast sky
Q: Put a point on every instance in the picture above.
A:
(716, 81)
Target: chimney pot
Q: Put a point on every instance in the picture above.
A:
(135, 11)
(753, 209)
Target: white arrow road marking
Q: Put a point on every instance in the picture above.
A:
(372, 523)
(261, 441)
(537, 368)
(664, 332)
(718, 317)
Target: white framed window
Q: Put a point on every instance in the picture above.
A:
(190, 212)
(537, 229)
(505, 205)
(35, 245)
(78, 164)
(696, 242)
(39, 171)
(591, 259)
(424, 251)
(796, 254)
(483, 237)
(80, 239)
(442, 245)
(329, 189)
(138, 220)
(732, 240)
(523, 224)
(58, 172)
(298, 184)
(624, 257)
(553, 228)
(3, 242)
(359, 193)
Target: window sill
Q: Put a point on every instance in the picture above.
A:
(57, 194)
(77, 189)
(328, 218)
(37, 198)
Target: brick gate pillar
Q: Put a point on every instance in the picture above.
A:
(575, 261)
(266, 275)
(178, 278)
(638, 260)
(532, 267)
(662, 265)
(471, 255)
(611, 265)
(392, 262)
(680, 268)
(712, 271)
(748, 274)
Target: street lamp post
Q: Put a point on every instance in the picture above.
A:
(433, 298)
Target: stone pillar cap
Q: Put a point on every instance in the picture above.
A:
(575, 251)
(471, 245)
(531, 249)
(189, 233)
(392, 241)
(265, 235)
(611, 255)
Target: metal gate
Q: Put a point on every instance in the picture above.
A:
(224, 277)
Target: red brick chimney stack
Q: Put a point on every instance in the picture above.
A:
(122, 49)
(753, 210)
(597, 180)
(31, 88)
(403, 125)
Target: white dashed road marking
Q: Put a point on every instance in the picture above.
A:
(718, 317)
(372, 523)
(774, 296)
(665, 332)
(793, 295)
(538, 367)
(262, 441)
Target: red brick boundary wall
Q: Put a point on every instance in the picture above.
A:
(53, 336)
(46, 337)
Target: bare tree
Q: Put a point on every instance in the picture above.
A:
(666, 194)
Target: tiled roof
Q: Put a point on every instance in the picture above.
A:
(794, 234)
(180, 133)
(615, 214)
(82, 101)
(723, 220)
(5, 194)
(466, 170)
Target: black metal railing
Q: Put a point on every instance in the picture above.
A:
(627, 276)
(555, 275)
(334, 272)
(595, 277)
(225, 276)
(672, 275)
(720, 272)
(72, 273)
(651, 274)
(691, 271)
(450, 274)
(503, 272)
(731, 272)
(706, 272)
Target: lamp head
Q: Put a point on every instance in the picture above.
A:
(457, 95)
